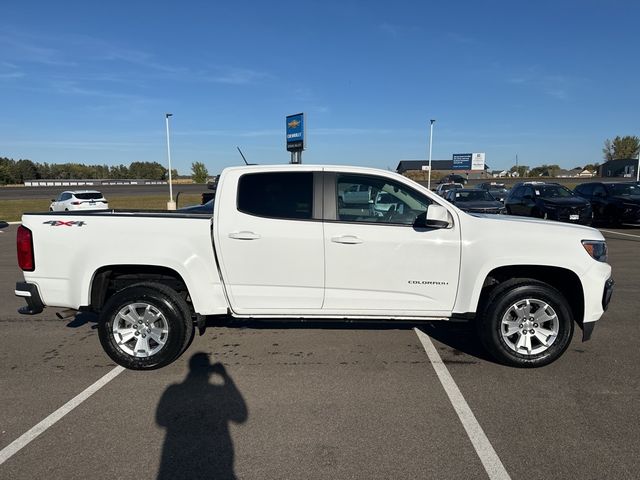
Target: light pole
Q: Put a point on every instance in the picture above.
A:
(430, 145)
(638, 168)
(171, 205)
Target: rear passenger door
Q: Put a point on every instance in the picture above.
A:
(269, 241)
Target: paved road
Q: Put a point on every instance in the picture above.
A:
(338, 402)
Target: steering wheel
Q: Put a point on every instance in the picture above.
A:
(389, 214)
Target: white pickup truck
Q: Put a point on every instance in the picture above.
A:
(281, 245)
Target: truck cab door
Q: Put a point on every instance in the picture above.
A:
(378, 263)
(269, 240)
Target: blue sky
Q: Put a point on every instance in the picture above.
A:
(90, 82)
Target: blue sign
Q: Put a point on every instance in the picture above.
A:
(462, 161)
(295, 132)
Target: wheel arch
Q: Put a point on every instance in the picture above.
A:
(562, 279)
(110, 279)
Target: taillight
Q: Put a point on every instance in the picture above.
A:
(25, 249)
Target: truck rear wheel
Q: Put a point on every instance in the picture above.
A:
(526, 323)
(145, 326)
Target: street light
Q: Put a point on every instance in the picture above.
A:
(430, 144)
(171, 205)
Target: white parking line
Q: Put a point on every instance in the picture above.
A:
(488, 456)
(620, 233)
(14, 447)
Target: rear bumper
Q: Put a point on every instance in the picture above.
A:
(30, 293)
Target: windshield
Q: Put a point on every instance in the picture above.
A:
(553, 191)
(474, 196)
(624, 190)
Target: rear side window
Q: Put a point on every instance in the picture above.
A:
(286, 195)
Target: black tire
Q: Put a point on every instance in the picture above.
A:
(172, 310)
(186, 311)
(501, 303)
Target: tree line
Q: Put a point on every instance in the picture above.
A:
(627, 147)
(17, 171)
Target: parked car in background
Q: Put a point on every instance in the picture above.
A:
(443, 188)
(79, 200)
(497, 190)
(474, 201)
(548, 200)
(355, 195)
(454, 178)
(612, 203)
(205, 208)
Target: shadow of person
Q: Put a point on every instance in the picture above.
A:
(196, 415)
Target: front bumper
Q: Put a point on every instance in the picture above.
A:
(606, 295)
(587, 327)
(30, 293)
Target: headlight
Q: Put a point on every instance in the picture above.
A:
(597, 249)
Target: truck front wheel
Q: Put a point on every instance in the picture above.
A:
(526, 323)
(142, 327)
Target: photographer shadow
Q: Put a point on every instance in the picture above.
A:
(196, 415)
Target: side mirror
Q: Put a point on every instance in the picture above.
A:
(53, 199)
(436, 216)
(3, 224)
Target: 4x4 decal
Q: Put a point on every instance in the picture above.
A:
(61, 223)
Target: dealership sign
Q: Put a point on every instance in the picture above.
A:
(477, 161)
(295, 132)
(468, 161)
(462, 161)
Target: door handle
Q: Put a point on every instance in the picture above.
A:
(244, 235)
(347, 239)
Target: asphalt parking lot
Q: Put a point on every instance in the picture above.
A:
(312, 401)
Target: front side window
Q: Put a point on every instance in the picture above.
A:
(528, 192)
(287, 195)
(378, 200)
(517, 193)
(586, 189)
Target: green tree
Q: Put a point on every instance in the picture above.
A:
(544, 170)
(26, 170)
(199, 172)
(521, 170)
(621, 147)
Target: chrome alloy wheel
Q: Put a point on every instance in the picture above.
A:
(140, 329)
(530, 326)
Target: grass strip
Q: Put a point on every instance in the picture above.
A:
(12, 210)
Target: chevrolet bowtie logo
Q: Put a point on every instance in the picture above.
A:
(293, 123)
